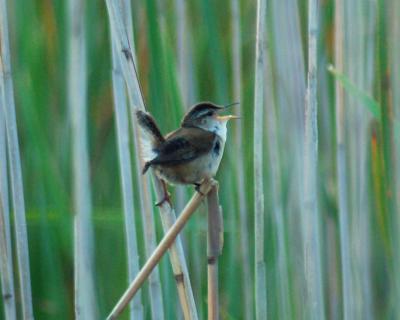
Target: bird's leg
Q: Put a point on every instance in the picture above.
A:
(197, 188)
(166, 196)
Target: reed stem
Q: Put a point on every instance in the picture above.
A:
(214, 250)
(312, 250)
(162, 248)
(7, 277)
(8, 109)
(240, 174)
(166, 211)
(85, 295)
(260, 272)
(341, 170)
(122, 127)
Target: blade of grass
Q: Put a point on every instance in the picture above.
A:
(8, 105)
(371, 104)
(260, 272)
(85, 295)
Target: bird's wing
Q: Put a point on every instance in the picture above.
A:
(184, 145)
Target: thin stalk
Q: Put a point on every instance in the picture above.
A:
(240, 176)
(182, 50)
(6, 265)
(289, 79)
(122, 127)
(394, 62)
(260, 272)
(187, 88)
(214, 249)
(388, 147)
(162, 248)
(8, 106)
(85, 296)
(344, 228)
(312, 251)
(183, 75)
(359, 65)
(276, 189)
(166, 211)
(157, 305)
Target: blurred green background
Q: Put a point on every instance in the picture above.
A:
(39, 47)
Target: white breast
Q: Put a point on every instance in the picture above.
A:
(220, 129)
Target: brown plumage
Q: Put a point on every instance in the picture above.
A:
(189, 154)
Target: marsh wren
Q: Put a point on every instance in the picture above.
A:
(189, 154)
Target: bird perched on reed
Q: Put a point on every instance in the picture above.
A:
(189, 154)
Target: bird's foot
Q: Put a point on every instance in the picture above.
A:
(166, 198)
(197, 188)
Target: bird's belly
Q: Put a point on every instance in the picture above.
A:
(194, 171)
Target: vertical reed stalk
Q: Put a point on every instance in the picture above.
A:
(260, 272)
(182, 50)
(359, 26)
(157, 305)
(8, 109)
(394, 62)
(276, 188)
(214, 250)
(122, 127)
(389, 147)
(85, 296)
(344, 228)
(312, 253)
(289, 79)
(6, 264)
(145, 199)
(166, 211)
(183, 75)
(240, 173)
(7, 277)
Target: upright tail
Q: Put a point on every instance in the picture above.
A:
(151, 137)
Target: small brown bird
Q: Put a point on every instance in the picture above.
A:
(189, 154)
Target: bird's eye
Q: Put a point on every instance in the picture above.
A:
(209, 113)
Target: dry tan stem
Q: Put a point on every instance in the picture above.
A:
(163, 246)
(214, 249)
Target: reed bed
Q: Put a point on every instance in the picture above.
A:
(309, 185)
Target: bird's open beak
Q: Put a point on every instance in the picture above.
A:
(228, 117)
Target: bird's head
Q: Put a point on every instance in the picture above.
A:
(206, 115)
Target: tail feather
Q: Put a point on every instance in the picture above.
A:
(146, 167)
(148, 124)
(150, 137)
